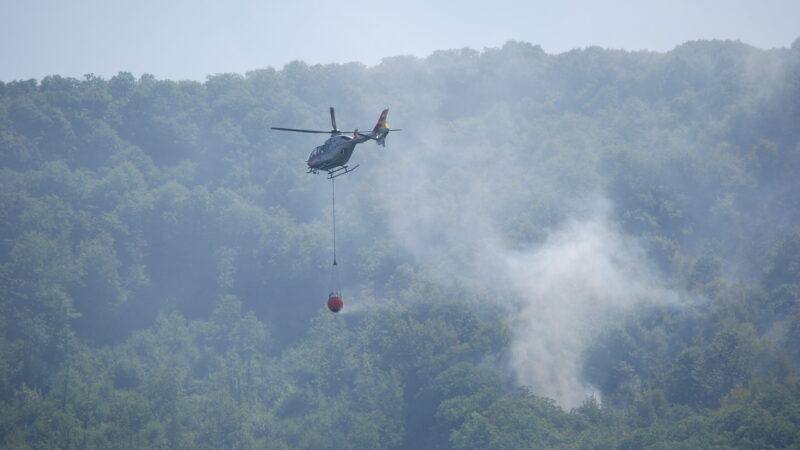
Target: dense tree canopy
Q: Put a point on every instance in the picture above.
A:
(164, 257)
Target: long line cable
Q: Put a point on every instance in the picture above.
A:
(333, 209)
(335, 267)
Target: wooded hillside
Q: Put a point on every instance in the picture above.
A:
(594, 249)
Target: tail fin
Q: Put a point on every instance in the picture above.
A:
(381, 122)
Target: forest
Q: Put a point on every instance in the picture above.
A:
(592, 249)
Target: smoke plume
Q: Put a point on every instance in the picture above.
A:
(561, 289)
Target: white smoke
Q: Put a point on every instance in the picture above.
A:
(448, 210)
(585, 275)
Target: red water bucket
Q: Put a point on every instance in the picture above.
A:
(335, 303)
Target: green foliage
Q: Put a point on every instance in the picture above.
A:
(163, 255)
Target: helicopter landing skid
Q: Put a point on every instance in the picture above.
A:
(340, 171)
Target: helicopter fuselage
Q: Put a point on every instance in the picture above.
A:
(335, 152)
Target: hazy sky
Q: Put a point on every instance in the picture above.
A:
(193, 38)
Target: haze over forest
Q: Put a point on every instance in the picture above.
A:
(593, 249)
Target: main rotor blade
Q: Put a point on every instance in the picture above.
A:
(333, 120)
(301, 131)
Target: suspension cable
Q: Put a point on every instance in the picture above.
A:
(333, 209)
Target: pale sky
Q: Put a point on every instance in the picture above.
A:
(189, 39)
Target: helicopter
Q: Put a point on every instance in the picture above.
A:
(332, 156)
